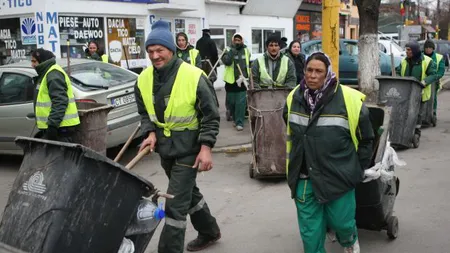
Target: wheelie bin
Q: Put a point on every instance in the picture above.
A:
(375, 199)
(69, 198)
(268, 132)
(404, 95)
(429, 119)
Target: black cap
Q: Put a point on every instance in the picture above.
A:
(429, 44)
(206, 30)
(42, 55)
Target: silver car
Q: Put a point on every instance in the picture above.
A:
(92, 81)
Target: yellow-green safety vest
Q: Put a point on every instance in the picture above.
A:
(44, 103)
(426, 92)
(180, 113)
(353, 100)
(105, 58)
(266, 80)
(229, 70)
(193, 53)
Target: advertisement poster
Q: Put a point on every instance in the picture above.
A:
(80, 31)
(126, 42)
(12, 47)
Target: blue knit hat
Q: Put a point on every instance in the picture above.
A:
(161, 35)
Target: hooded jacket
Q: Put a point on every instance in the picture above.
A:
(183, 53)
(414, 65)
(236, 54)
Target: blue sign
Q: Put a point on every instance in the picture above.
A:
(141, 1)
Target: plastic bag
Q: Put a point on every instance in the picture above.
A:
(127, 246)
(385, 170)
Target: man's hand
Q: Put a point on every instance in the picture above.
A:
(424, 83)
(203, 162)
(149, 141)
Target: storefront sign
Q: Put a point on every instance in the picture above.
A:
(48, 31)
(141, 1)
(192, 33)
(12, 48)
(28, 31)
(83, 27)
(125, 40)
(17, 3)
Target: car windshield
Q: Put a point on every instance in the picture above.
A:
(399, 48)
(99, 74)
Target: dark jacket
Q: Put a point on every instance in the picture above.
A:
(187, 142)
(414, 69)
(236, 55)
(57, 89)
(327, 154)
(184, 55)
(299, 63)
(207, 48)
(291, 78)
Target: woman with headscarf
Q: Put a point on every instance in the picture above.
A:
(187, 52)
(95, 53)
(295, 54)
(329, 147)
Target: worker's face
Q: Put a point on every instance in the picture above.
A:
(159, 55)
(429, 50)
(295, 50)
(92, 48)
(409, 52)
(315, 74)
(34, 62)
(181, 42)
(237, 41)
(273, 48)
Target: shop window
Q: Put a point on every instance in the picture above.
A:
(259, 37)
(17, 39)
(222, 37)
(15, 88)
(80, 30)
(180, 25)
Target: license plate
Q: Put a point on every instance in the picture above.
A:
(124, 100)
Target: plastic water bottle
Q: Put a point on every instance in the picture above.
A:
(147, 218)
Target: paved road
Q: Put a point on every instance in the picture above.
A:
(259, 217)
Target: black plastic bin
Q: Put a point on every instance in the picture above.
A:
(429, 119)
(93, 125)
(404, 95)
(69, 199)
(8, 249)
(375, 199)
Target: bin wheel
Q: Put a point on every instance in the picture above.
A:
(251, 172)
(416, 140)
(434, 121)
(392, 227)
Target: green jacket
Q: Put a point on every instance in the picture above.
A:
(440, 68)
(327, 153)
(414, 69)
(291, 77)
(57, 89)
(184, 55)
(188, 142)
(234, 55)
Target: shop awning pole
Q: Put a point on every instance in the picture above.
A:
(68, 57)
(330, 31)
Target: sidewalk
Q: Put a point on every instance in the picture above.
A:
(446, 81)
(229, 137)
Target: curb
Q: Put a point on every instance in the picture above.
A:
(234, 149)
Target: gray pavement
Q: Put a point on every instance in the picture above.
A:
(257, 216)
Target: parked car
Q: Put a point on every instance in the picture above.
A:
(389, 46)
(442, 47)
(348, 59)
(92, 81)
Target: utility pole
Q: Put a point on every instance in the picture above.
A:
(330, 31)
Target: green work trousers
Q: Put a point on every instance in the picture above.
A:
(188, 200)
(314, 218)
(236, 103)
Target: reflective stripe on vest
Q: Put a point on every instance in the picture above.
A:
(105, 58)
(353, 100)
(426, 92)
(266, 80)
(43, 104)
(229, 70)
(180, 113)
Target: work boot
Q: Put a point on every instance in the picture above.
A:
(352, 249)
(239, 128)
(202, 242)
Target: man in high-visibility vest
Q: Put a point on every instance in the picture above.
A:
(438, 59)
(180, 121)
(273, 69)
(423, 69)
(55, 108)
(187, 52)
(236, 98)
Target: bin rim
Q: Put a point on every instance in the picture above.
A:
(22, 142)
(95, 109)
(396, 78)
(268, 90)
